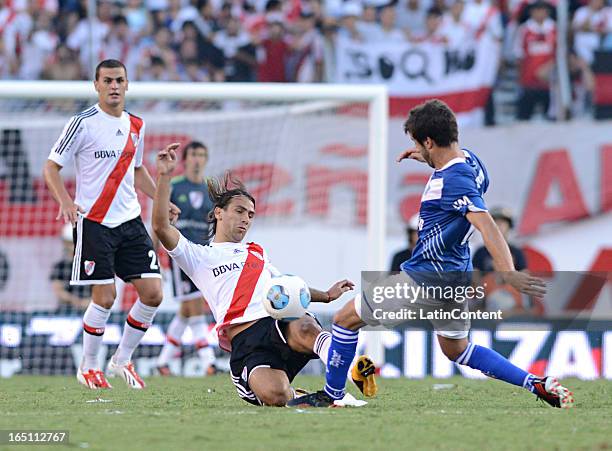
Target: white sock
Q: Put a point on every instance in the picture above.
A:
(199, 329)
(138, 321)
(173, 339)
(321, 345)
(94, 321)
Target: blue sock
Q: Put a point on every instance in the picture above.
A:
(495, 365)
(341, 354)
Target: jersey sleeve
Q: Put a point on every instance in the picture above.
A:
(140, 149)
(67, 145)
(461, 193)
(188, 255)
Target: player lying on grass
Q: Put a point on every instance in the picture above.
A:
(265, 354)
(451, 207)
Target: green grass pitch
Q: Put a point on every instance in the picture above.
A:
(206, 414)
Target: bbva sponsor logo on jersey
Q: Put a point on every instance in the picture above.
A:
(225, 268)
(107, 153)
(462, 202)
(236, 266)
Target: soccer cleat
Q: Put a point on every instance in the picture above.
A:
(127, 372)
(93, 379)
(549, 389)
(363, 376)
(316, 399)
(164, 370)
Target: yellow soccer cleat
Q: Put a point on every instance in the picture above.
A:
(364, 377)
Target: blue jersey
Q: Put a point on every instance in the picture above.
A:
(444, 231)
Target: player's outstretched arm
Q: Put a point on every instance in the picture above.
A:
(336, 290)
(502, 258)
(166, 163)
(144, 182)
(68, 209)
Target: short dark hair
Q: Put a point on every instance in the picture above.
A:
(109, 64)
(194, 145)
(432, 119)
(221, 191)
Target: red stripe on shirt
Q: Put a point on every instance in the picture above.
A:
(245, 287)
(103, 203)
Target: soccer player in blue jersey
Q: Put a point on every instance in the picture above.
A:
(452, 206)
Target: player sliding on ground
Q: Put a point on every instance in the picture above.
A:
(106, 144)
(266, 354)
(451, 206)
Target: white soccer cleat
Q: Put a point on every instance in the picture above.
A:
(550, 390)
(127, 372)
(92, 379)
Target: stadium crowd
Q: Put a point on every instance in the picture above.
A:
(285, 40)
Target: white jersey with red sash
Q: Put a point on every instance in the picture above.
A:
(230, 276)
(105, 150)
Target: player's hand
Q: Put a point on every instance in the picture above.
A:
(70, 212)
(167, 160)
(338, 289)
(174, 213)
(411, 154)
(525, 283)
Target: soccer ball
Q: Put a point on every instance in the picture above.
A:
(286, 297)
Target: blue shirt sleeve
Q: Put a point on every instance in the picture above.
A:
(461, 192)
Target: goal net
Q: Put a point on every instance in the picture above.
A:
(314, 157)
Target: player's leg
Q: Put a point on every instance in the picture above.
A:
(179, 323)
(458, 349)
(172, 345)
(136, 262)
(194, 311)
(271, 386)
(93, 265)
(337, 350)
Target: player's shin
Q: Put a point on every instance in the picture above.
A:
(495, 365)
(94, 322)
(138, 321)
(340, 356)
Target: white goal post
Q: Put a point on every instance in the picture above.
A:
(375, 96)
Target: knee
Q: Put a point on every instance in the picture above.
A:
(152, 298)
(347, 317)
(105, 298)
(276, 397)
(309, 328)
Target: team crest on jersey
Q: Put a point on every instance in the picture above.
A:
(196, 198)
(134, 139)
(89, 267)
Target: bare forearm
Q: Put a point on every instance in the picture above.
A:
(318, 295)
(498, 248)
(166, 233)
(144, 182)
(493, 239)
(55, 182)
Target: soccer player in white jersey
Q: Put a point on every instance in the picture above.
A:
(265, 354)
(452, 206)
(106, 144)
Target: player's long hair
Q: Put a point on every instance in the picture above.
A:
(221, 191)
